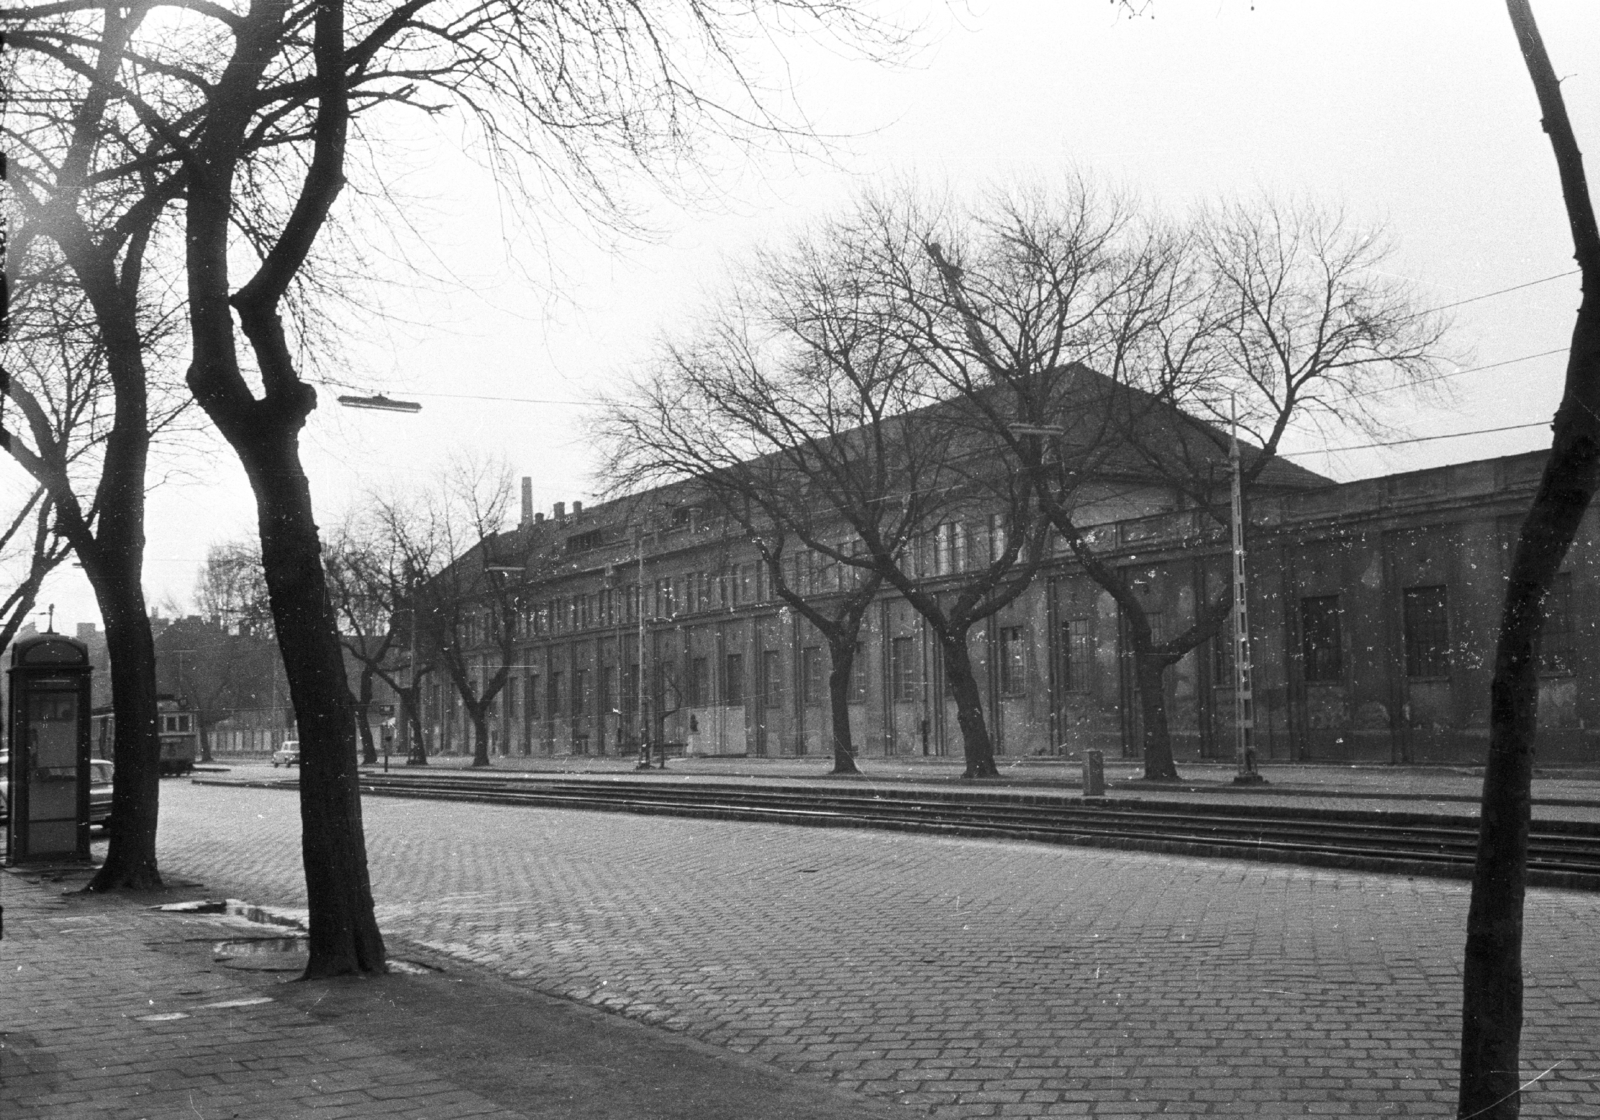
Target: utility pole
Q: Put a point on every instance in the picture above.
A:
(416, 748)
(644, 719)
(1244, 709)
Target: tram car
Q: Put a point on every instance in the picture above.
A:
(180, 735)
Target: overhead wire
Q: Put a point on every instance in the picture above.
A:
(1426, 311)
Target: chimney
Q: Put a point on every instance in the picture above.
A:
(561, 511)
(527, 500)
(86, 631)
(577, 509)
(538, 518)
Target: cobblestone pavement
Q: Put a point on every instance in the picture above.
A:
(79, 1042)
(959, 977)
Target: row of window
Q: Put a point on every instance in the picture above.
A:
(943, 551)
(563, 693)
(1425, 632)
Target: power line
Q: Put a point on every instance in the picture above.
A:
(510, 400)
(1413, 439)
(1501, 291)
(1427, 311)
(1458, 373)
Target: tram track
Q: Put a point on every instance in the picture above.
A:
(1561, 853)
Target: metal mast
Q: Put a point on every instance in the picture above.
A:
(1243, 689)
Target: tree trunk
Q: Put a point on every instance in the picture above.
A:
(842, 658)
(480, 736)
(369, 749)
(1491, 1011)
(369, 746)
(1150, 673)
(344, 935)
(205, 739)
(136, 786)
(416, 748)
(975, 741)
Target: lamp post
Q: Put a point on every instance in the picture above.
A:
(380, 403)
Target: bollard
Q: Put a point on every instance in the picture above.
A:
(1094, 774)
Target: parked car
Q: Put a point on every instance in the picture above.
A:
(100, 773)
(288, 754)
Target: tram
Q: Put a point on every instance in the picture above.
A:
(180, 735)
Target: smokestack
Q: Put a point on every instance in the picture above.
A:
(527, 500)
(577, 508)
(561, 511)
(538, 518)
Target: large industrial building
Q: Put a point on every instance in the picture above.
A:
(1374, 606)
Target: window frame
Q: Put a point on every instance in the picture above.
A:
(1425, 639)
(1320, 662)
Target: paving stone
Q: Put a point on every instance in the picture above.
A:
(985, 973)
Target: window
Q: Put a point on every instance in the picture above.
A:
(1426, 620)
(827, 573)
(1077, 653)
(771, 678)
(811, 686)
(1320, 639)
(697, 682)
(733, 679)
(608, 689)
(950, 548)
(903, 669)
(177, 724)
(1222, 657)
(1555, 644)
(997, 536)
(858, 675)
(533, 696)
(1013, 661)
(555, 693)
(580, 691)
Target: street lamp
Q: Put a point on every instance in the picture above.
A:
(380, 403)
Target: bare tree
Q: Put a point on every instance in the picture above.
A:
(1112, 357)
(372, 582)
(232, 589)
(468, 583)
(247, 116)
(75, 364)
(41, 551)
(1491, 1016)
(801, 397)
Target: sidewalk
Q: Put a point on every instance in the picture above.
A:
(114, 1010)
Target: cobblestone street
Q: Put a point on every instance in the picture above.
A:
(958, 977)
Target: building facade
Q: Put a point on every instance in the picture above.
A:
(1374, 606)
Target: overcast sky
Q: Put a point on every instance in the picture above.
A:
(1416, 114)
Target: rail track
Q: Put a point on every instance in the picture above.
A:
(1561, 853)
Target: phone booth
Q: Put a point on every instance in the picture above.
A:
(49, 737)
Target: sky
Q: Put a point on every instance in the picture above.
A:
(1416, 114)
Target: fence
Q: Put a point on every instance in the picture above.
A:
(252, 741)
